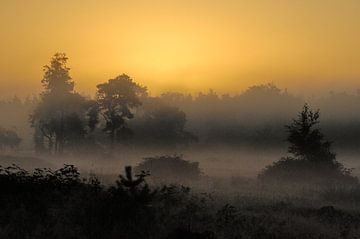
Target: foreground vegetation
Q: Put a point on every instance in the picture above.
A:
(60, 204)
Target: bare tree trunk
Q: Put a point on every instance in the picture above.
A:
(112, 138)
(51, 145)
(61, 134)
(56, 145)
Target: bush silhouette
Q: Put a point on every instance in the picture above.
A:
(9, 139)
(59, 204)
(170, 169)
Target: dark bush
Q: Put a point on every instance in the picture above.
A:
(299, 171)
(59, 204)
(9, 139)
(170, 169)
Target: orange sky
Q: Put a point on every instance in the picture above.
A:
(185, 45)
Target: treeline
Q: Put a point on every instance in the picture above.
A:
(122, 112)
(64, 120)
(256, 116)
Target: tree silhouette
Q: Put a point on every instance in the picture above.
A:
(306, 141)
(312, 160)
(56, 78)
(136, 186)
(62, 113)
(165, 125)
(9, 139)
(116, 100)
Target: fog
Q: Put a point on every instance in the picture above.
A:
(258, 160)
(237, 135)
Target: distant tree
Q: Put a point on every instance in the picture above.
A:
(262, 89)
(210, 97)
(9, 139)
(93, 115)
(56, 78)
(165, 126)
(176, 98)
(61, 120)
(39, 139)
(273, 99)
(116, 99)
(312, 160)
(306, 141)
(61, 114)
(170, 168)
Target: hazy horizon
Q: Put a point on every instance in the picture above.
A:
(188, 46)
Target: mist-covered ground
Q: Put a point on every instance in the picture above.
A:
(217, 161)
(205, 159)
(226, 201)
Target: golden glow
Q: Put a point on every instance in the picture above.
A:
(183, 45)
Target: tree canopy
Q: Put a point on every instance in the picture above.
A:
(116, 101)
(61, 114)
(56, 77)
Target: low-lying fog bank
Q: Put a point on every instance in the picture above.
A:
(219, 161)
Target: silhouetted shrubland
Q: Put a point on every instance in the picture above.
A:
(60, 204)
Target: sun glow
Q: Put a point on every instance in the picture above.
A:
(183, 45)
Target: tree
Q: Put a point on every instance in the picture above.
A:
(134, 186)
(61, 119)
(61, 113)
(164, 125)
(9, 139)
(306, 141)
(263, 89)
(116, 99)
(312, 160)
(56, 78)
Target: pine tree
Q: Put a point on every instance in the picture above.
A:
(306, 140)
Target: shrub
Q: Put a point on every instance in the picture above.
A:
(170, 168)
(9, 139)
(299, 171)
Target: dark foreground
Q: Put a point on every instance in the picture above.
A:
(59, 204)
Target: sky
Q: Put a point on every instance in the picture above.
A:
(183, 45)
